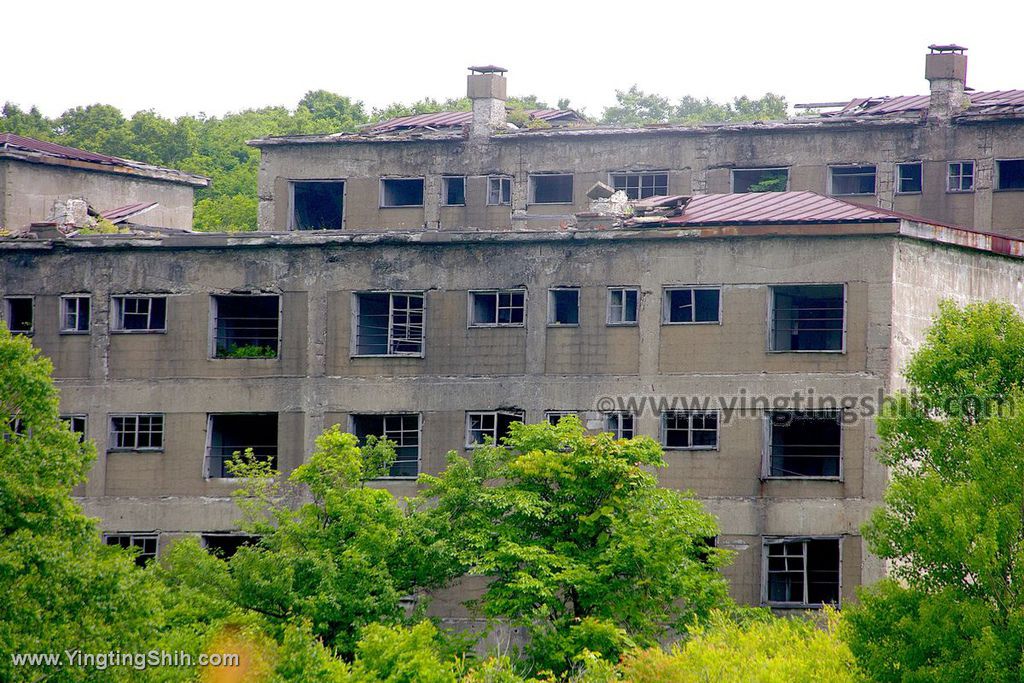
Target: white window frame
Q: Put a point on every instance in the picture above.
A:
(381, 195)
(132, 536)
(767, 541)
(70, 417)
(666, 308)
(548, 414)
(533, 188)
(619, 431)
(445, 179)
(766, 450)
(899, 177)
(471, 299)
(690, 414)
(470, 444)
(391, 325)
(831, 178)
(291, 200)
(388, 435)
(112, 446)
(609, 320)
(551, 306)
(960, 176)
(117, 317)
(998, 173)
(640, 181)
(65, 301)
(7, 313)
(500, 179)
(771, 316)
(758, 169)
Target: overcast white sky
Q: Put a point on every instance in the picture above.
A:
(214, 57)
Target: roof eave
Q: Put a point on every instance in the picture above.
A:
(152, 173)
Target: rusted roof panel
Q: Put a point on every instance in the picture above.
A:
(982, 102)
(772, 208)
(123, 213)
(53, 149)
(451, 119)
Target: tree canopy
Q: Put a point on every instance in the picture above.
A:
(636, 108)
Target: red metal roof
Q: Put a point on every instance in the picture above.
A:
(52, 149)
(984, 102)
(773, 207)
(123, 213)
(451, 119)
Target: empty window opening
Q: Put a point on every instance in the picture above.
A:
(389, 324)
(808, 318)
(234, 434)
(641, 185)
(691, 305)
(137, 432)
(622, 305)
(139, 314)
(402, 430)
(551, 189)
(453, 189)
(74, 313)
(395, 192)
(853, 180)
(552, 417)
(620, 424)
(493, 424)
(802, 572)
(804, 443)
(960, 176)
(246, 326)
(77, 424)
(705, 545)
(687, 429)
(225, 546)
(19, 314)
(318, 205)
(563, 307)
(144, 543)
(499, 191)
(497, 308)
(1010, 174)
(760, 179)
(909, 178)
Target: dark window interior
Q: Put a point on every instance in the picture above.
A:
(565, 307)
(1010, 174)
(693, 305)
(808, 318)
(318, 205)
(498, 308)
(402, 192)
(804, 572)
(454, 191)
(142, 313)
(805, 444)
(910, 178)
(19, 315)
(246, 326)
(145, 544)
(402, 430)
(552, 189)
(760, 180)
(230, 434)
(389, 324)
(853, 180)
(225, 546)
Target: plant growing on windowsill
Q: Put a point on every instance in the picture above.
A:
(247, 351)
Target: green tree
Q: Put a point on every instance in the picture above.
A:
(636, 108)
(579, 542)
(953, 521)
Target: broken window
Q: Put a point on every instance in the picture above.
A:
(74, 313)
(395, 192)
(641, 185)
(402, 430)
(760, 179)
(233, 434)
(505, 308)
(552, 417)
(802, 572)
(909, 178)
(499, 191)
(852, 180)
(139, 314)
(77, 424)
(622, 305)
(804, 443)
(137, 432)
(19, 314)
(318, 204)
(225, 546)
(389, 324)
(1010, 174)
(551, 189)
(144, 543)
(692, 305)
(563, 307)
(808, 318)
(960, 176)
(493, 425)
(688, 429)
(453, 189)
(620, 424)
(246, 326)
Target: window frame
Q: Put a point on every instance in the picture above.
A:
(950, 175)
(7, 313)
(519, 415)
(767, 541)
(141, 558)
(998, 174)
(548, 414)
(618, 430)
(292, 223)
(208, 456)
(690, 414)
(612, 175)
(766, 449)
(117, 308)
(770, 323)
(382, 194)
(831, 180)
(112, 446)
(419, 440)
(69, 418)
(608, 309)
(445, 179)
(354, 348)
(551, 306)
(761, 169)
(471, 300)
(63, 313)
(215, 316)
(666, 308)
(532, 187)
(899, 177)
(501, 180)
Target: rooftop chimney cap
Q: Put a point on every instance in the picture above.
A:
(952, 47)
(489, 69)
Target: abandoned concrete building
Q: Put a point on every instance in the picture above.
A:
(434, 285)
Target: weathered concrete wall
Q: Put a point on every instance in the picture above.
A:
(31, 189)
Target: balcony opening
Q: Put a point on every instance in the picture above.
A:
(246, 326)
(234, 433)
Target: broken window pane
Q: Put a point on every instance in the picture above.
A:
(1010, 174)
(233, 434)
(77, 424)
(74, 313)
(760, 179)
(909, 178)
(498, 308)
(641, 185)
(853, 180)
(960, 177)
(246, 326)
(454, 190)
(401, 192)
(690, 305)
(389, 324)
(805, 443)
(403, 430)
(499, 191)
(493, 424)
(563, 307)
(808, 318)
(803, 572)
(139, 313)
(145, 543)
(689, 429)
(318, 205)
(622, 305)
(551, 189)
(19, 314)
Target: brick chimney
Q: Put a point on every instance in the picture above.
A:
(946, 70)
(486, 88)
